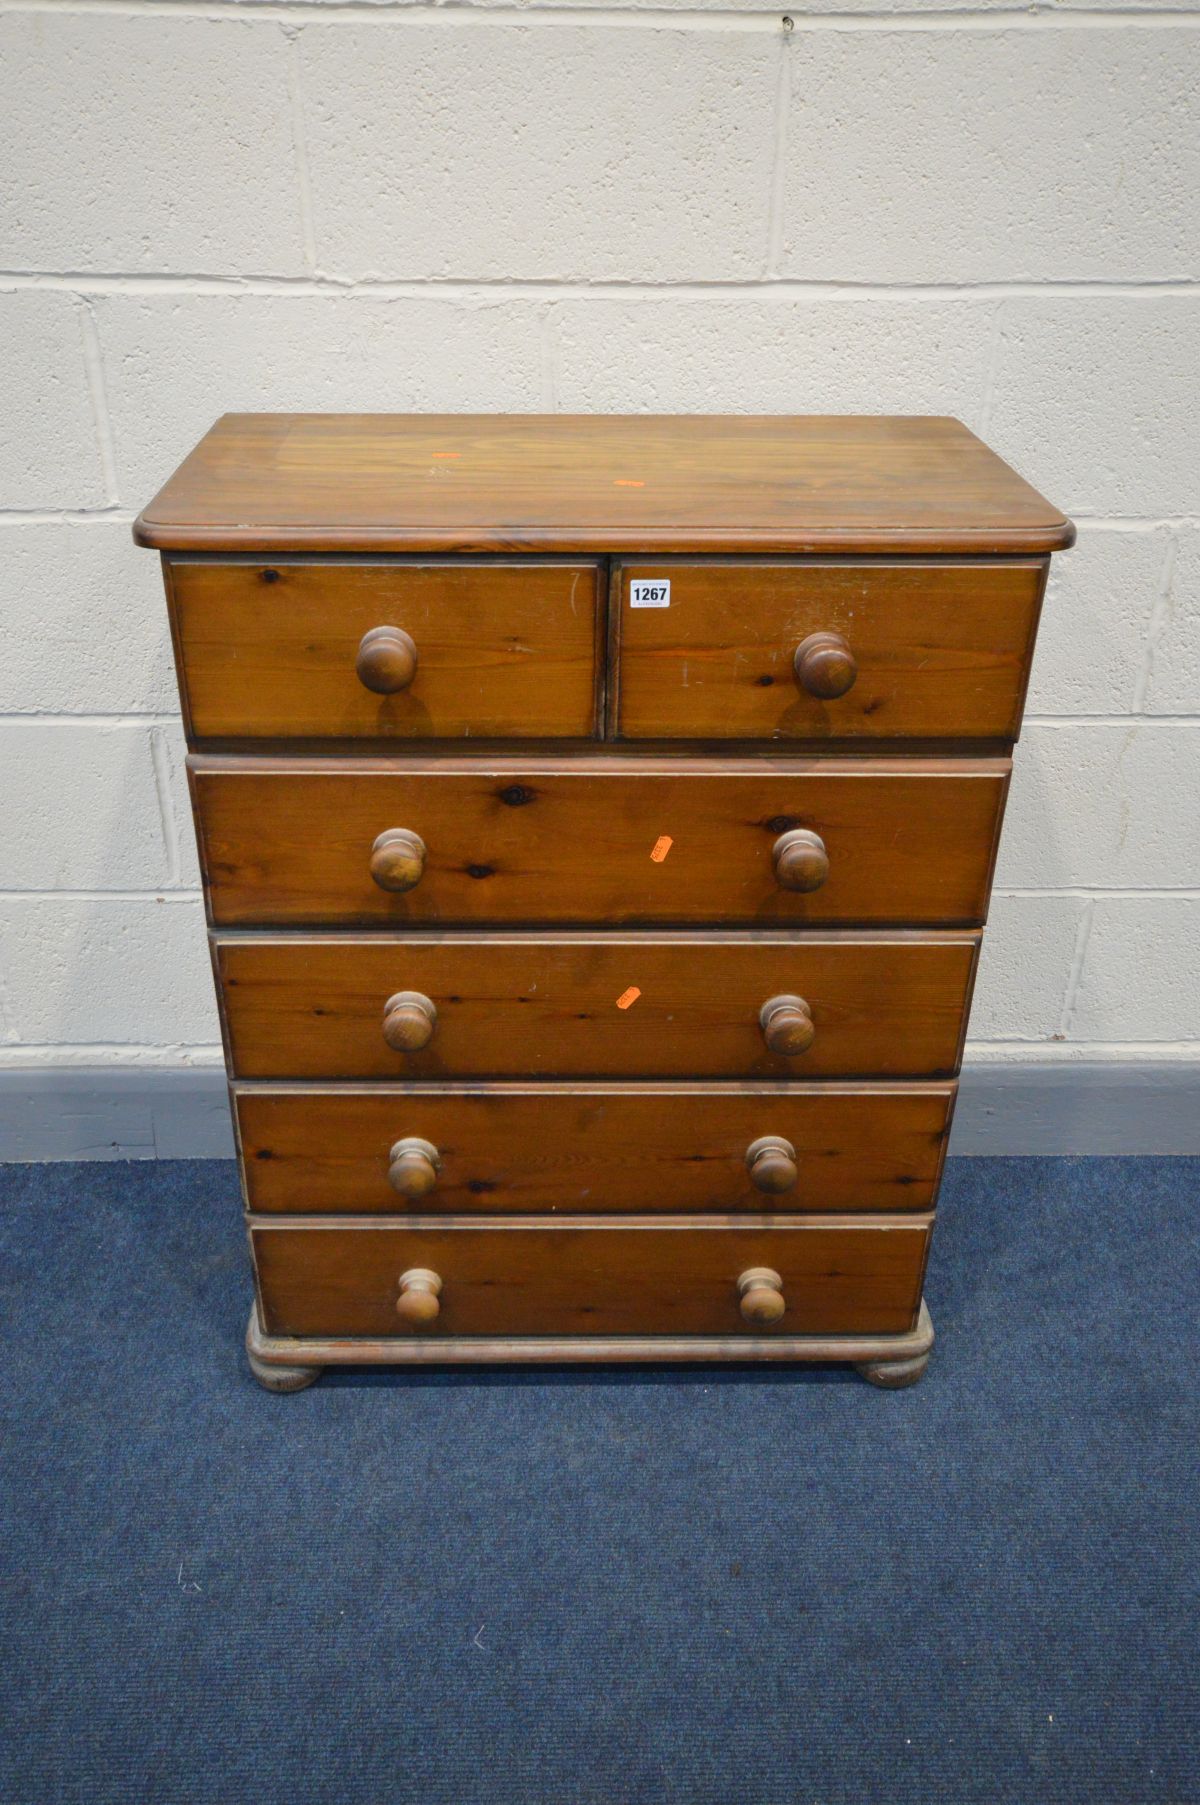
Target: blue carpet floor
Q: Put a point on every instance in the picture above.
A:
(714, 1587)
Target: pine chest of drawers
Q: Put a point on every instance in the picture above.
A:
(597, 819)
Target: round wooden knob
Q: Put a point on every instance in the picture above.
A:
(771, 1163)
(801, 861)
(825, 666)
(761, 1292)
(409, 1020)
(398, 859)
(387, 660)
(787, 1025)
(413, 1167)
(418, 1303)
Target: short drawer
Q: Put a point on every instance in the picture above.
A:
(786, 651)
(578, 1005)
(386, 650)
(595, 1149)
(647, 1277)
(598, 839)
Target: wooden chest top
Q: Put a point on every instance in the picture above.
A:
(610, 484)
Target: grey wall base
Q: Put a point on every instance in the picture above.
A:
(1096, 1108)
(79, 1112)
(183, 1112)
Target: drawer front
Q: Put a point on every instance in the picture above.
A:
(595, 1149)
(837, 1276)
(491, 649)
(766, 651)
(567, 1005)
(595, 839)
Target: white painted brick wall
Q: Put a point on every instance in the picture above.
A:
(1173, 676)
(768, 351)
(571, 152)
(125, 973)
(167, 356)
(123, 148)
(79, 806)
(50, 456)
(991, 156)
(987, 210)
(83, 623)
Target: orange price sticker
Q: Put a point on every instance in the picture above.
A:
(627, 482)
(661, 848)
(629, 997)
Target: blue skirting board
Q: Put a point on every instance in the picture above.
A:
(182, 1112)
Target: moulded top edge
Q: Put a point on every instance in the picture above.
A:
(587, 484)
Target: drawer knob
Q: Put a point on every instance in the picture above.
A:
(825, 666)
(787, 1025)
(771, 1163)
(413, 1167)
(387, 660)
(398, 859)
(418, 1303)
(801, 861)
(409, 1020)
(761, 1292)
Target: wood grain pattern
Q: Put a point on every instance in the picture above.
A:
(941, 649)
(517, 1149)
(608, 483)
(502, 650)
(840, 1276)
(550, 1005)
(289, 841)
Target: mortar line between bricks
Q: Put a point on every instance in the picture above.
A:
(464, 15)
(1111, 720)
(110, 516)
(93, 363)
(295, 82)
(10, 1034)
(163, 719)
(208, 1056)
(1083, 934)
(486, 290)
(66, 517)
(32, 718)
(166, 719)
(1160, 614)
(1133, 523)
(163, 894)
(1079, 1052)
(160, 758)
(1009, 892)
(549, 357)
(179, 893)
(76, 1053)
(776, 192)
(1109, 892)
(993, 365)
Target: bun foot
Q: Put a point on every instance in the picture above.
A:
(893, 1375)
(271, 1376)
(283, 1378)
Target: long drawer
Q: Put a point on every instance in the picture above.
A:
(596, 1149)
(598, 839)
(387, 649)
(734, 649)
(837, 1275)
(585, 1005)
